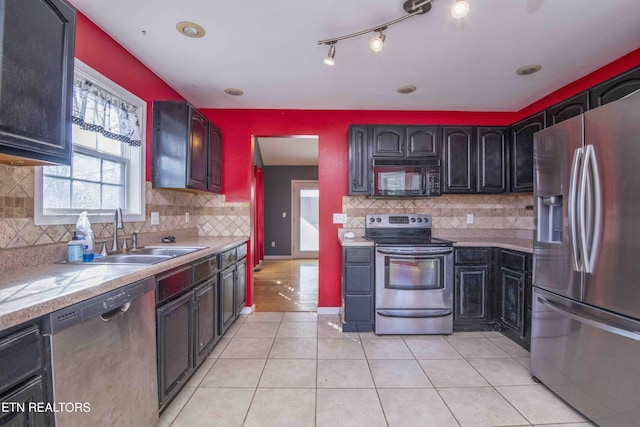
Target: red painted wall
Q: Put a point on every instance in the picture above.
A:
(98, 50)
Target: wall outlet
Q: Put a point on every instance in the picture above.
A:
(339, 218)
(284, 214)
(273, 244)
(186, 217)
(155, 218)
(469, 218)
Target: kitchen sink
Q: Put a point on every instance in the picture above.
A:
(131, 259)
(147, 255)
(165, 250)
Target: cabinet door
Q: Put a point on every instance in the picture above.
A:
(359, 309)
(491, 176)
(31, 391)
(458, 160)
(513, 284)
(226, 303)
(241, 286)
(359, 160)
(175, 345)
(197, 166)
(472, 293)
(205, 318)
(568, 108)
(36, 79)
(522, 152)
(388, 141)
(215, 159)
(422, 141)
(358, 278)
(615, 88)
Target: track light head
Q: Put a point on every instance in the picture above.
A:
(377, 43)
(460, 9)
(329, 60)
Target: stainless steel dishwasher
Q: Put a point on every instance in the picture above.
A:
(104, 354)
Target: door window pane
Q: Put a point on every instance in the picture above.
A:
(309, 220)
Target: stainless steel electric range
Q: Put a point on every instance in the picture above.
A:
(413, 275)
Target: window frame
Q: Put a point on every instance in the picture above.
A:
(135, 166)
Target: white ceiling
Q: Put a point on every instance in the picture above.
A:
(269, 50)
(289, 151)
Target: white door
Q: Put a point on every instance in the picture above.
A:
(305, 236)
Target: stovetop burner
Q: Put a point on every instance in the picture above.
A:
(401, 229)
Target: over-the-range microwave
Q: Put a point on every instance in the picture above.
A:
(406, 178)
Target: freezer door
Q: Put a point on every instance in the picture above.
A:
(588, 357)
(613, 131)
(556, 257)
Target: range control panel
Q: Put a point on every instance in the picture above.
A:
(398, 221)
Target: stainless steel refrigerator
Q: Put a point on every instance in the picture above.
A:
(585, 339)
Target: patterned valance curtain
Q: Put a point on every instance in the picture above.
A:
(98, 110)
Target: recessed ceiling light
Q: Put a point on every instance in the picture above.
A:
(190, 29)
(406, 89)
(233, 91)
(528, 69)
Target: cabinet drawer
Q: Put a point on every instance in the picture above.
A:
(173, 283)
(21, 356)
(357, 278)
(513, 260)
(241, 251)
(205, 269)
(228, 258)
(358, 256)
(473, 256)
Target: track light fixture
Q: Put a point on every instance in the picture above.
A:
(332, 53)
(377, 43)
(412, 7)
(460, 9)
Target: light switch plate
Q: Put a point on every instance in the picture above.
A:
(155, 218)
(339, 218)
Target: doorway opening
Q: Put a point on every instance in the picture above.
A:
(286, 222)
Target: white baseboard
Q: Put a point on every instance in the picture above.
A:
(248, 310)
(329, 310)
(266, 257)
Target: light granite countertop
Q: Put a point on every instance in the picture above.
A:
(29, 293)
(497, 240)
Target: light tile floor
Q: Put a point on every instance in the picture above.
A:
(299, 369)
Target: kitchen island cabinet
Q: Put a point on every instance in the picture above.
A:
(36, 81)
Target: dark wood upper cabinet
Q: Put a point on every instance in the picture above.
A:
(422, 141)
(198, 151)
(615, 88)
(458, 160)
(184, 156)
(522, 152)
(37, 39)
(359, 160)
(406, 141)
(215, 159)
(568, 108)
(388, 141)
(492, 169)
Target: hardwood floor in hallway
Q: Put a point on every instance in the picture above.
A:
(286, 285)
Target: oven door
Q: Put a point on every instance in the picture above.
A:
(414, 277)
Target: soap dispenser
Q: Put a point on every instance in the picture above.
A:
(74, 248)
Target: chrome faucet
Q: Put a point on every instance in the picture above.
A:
(117, 223)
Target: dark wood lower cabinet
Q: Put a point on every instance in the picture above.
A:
(31, 391)
(357, 289)
(227, 308)
(175, 345)
(472, 290)
(512, 313)
(241, 286)
(205, 318)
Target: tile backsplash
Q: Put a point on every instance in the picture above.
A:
(449, 211)
(210, 213)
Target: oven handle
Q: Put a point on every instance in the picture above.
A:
(416, 253)
(424, 315)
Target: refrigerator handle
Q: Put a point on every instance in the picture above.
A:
(591, 203)
(576, 315)
(573, 201)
